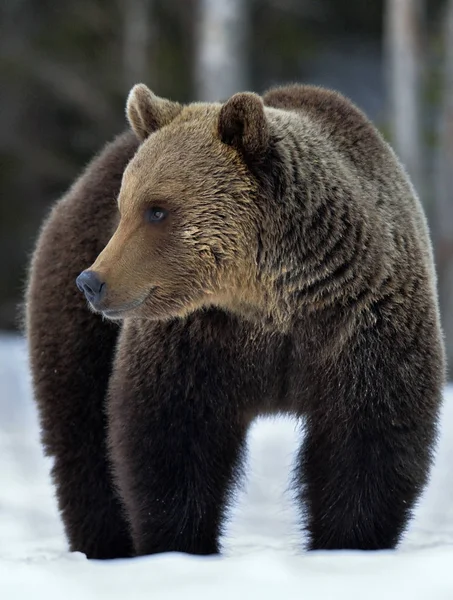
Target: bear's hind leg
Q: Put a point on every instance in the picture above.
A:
(367, 451)
(71, 353)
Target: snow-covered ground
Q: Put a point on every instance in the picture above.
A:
(263, 556)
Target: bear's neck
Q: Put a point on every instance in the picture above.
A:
(323, 246)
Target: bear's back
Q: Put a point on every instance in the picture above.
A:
(373, 163)
(341, 121)
(349, 157)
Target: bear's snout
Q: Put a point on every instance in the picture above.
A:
(91, 285)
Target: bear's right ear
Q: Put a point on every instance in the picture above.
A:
(147, 113)
(243, 124)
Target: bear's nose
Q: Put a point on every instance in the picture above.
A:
(91, 285)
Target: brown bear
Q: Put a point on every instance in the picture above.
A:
(261, 256)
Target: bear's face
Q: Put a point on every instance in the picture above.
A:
(187, 235)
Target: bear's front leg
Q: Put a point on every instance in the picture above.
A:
(370, 433)
(175, 435)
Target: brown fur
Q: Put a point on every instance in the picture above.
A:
(71, 352)
(292, 273)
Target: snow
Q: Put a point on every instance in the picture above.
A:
(263, 555)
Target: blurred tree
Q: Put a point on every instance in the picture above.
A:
(444, 190)
(403, 61)
(220, 61)
(138, 22)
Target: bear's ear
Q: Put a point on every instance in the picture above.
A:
(146, 112)
(243, 124)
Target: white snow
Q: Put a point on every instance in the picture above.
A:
(263, 555)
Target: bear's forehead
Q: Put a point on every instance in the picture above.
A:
(183, 159)
(180, 174)
(190, 143)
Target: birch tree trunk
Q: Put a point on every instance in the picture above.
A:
(220, 68)
(402, 49)
(444, 192)
(136, 18)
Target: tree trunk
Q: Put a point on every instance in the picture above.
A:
(136, 18)
(220, 61)
(444, 192)
(402, 48)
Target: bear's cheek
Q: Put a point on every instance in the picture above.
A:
(183, 283)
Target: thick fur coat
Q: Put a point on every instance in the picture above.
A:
(265, 255)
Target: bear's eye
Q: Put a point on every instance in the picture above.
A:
(155, 214)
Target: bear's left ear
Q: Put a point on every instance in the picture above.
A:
(147, 113)
(243, 124)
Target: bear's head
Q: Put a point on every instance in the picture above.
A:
(189, 229)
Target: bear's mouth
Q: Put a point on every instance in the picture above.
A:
(119, 312)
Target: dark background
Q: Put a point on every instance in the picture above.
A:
(66, 68)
